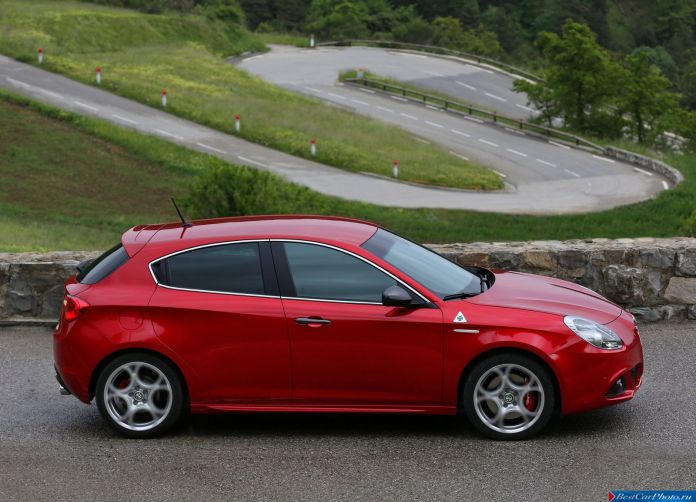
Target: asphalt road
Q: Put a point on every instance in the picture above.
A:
(53, 447)
(523, 159)
(591, 184)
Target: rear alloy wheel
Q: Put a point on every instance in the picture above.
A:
(140, 395)
(509, 396)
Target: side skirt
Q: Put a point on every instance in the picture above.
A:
(302, 408)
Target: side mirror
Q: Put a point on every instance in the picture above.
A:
(396, 296)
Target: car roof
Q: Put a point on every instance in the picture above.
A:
(310, 227)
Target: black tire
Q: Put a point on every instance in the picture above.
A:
(166, 396)
(515, 428)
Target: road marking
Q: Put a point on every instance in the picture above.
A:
(433, 107)
(559, 145)
(525, 107)
(572, 172)
(399, 99)
(165, 133)
(366, 90)
(500, 174)
(124, 119)
(461, 133)
(509, 129)
(495, 97)
(664, 184)
(388, 110)
(434, 124)
(516, 152)
(312, 89)
(253, 57)
(250, 161)
(338, 96)
(459, 155)
(546, 163)
(434, 73)
(598, 157)
(466, 85)
(85, 105)
(642, 171)
(473, 119)
(423, 141)
(408, 116)
(211, 148)
(359, 102)
(50, 93)
(489, 143)
(17, 82)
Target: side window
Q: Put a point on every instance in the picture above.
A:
(323, 273)
(227, 268)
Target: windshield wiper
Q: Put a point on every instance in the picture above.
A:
(459, 294)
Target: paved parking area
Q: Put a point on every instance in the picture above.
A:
(53, 447)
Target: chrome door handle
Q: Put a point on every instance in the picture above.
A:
(471, 331)
(311, 320)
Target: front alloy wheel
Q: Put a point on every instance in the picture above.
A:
(139, 395)
(509, 396)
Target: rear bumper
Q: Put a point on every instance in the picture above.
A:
(591, 376)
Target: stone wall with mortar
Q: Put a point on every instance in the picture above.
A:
(654, 278)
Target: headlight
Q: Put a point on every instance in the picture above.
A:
(593, 333)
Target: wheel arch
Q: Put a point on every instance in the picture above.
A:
(135, 350)
(508, 350)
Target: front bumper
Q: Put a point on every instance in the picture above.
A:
(595, 378)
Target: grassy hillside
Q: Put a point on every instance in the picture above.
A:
(79, 183)
(140, 54)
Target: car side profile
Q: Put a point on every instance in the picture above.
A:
(323, 314)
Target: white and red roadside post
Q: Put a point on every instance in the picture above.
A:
(313, 147)
(164, 98)
(237, 123)
(97, 75)
(39, 54)
(395, 169)
(311, 41)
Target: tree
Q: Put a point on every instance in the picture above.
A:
(645, 94)
(581, 76)
(540, 96)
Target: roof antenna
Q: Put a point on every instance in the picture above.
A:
(184, 221)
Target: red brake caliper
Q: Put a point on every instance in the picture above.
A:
(530, 399)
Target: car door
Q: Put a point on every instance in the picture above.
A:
(218, 307)
(347, 348)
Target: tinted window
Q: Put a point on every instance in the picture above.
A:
(436, 273)
(100, 267)
(324, 273)
(228, 268)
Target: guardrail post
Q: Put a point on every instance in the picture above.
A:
(521, 126)
(446, 104)
(495, 117)
(470, 110)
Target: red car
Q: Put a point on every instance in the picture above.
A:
(319, 314)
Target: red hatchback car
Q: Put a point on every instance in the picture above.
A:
(319, 314)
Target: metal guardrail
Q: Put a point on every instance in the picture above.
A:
(468, 109)
(434, 50)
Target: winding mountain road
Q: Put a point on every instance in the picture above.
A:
(546, 179)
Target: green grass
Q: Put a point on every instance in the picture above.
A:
(141, 54)
(71, 182)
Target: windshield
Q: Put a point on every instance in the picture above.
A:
(438, 274)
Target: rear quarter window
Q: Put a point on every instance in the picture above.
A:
(104, 265)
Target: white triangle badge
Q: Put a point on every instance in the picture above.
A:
(459, 318)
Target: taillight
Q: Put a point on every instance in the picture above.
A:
(73, 307)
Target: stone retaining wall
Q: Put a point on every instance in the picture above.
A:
(655, 278)
(669, 172)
